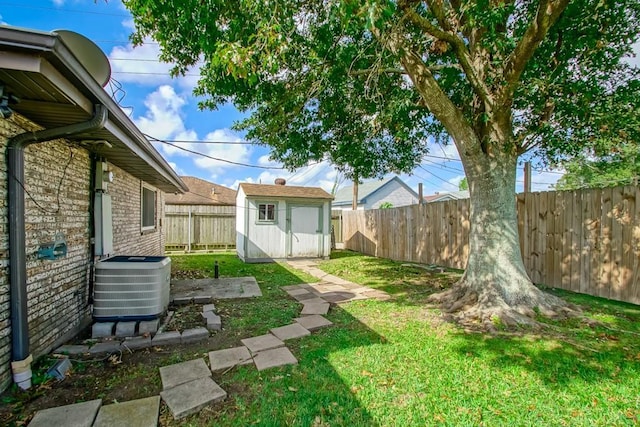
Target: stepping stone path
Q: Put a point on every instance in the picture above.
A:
(188, 386)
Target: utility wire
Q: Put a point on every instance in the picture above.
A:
(218, 158)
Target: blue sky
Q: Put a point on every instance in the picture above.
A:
(164, 108)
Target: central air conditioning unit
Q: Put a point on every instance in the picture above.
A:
(131, 288)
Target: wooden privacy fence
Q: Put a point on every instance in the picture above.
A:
(585, 241)
(199, 227)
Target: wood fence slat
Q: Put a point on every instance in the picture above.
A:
(604, 290)
(586, 241)
(567, 239)
(626, 265)
(635, 249)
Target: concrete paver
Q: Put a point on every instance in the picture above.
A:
(76, 415)
(139, 413)
(274, 358)
(102, 329)
(125, 329)
(194, 335)
(72, 349)
(295, 330)
(303, 298)
(136, 343)
(148, 326)
(313, 322)
(105, 347)
(297, 291)
(228, 358)
(222, 288)
(167, 338)
(191, 397)
(315, 308)
(180, 373)
(208, 307)
(262, 342)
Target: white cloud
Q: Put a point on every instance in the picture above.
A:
(2, 21)
(163, 120)
(140, 64)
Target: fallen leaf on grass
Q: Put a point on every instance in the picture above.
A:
(293, 389)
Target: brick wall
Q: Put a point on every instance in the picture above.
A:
(57, 179)
(128, 237)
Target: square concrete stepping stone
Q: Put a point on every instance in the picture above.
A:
(313, 322)
(315, 308)
(180, 373)
(273, 358)
(290, 287)
(76, 415)
(314, 300)
(139, 413)
(337, 297)
(191, 397)
(228, 358)
(308, 296)
(297, 291)
(290, 332)
(262, 342)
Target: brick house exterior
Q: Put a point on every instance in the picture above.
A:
(58, 192)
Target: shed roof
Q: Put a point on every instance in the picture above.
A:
(202, 192)
(284, 191)
(56, 89)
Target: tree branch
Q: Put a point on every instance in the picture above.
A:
(548, 13)
(456, 42)
(432, 68)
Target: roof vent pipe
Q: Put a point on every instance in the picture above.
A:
(21, 359)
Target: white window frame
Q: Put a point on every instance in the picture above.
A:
(267, 220)
(143, 205)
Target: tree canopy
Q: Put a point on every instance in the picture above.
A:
(366, 82)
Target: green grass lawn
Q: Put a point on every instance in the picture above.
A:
(388, 363)
(393, 363)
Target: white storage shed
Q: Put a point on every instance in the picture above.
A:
(280, 221)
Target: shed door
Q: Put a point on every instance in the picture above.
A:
(305, 233)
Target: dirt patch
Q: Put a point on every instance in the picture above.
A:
(117, 377)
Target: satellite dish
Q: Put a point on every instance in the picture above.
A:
(88, 53)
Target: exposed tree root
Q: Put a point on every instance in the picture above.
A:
(489, 309)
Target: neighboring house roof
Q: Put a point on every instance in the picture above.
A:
(453, 195)
(344, 196)
(202, 192)
(54, 84)
(284, 191)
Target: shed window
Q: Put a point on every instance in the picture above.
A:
(266, 212)
(148, 209)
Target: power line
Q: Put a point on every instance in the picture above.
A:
(218, 158)
(436, 176)
(202, 141)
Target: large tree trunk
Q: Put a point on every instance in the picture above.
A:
(495, 286)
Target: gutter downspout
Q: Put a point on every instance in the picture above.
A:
(20, 356)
